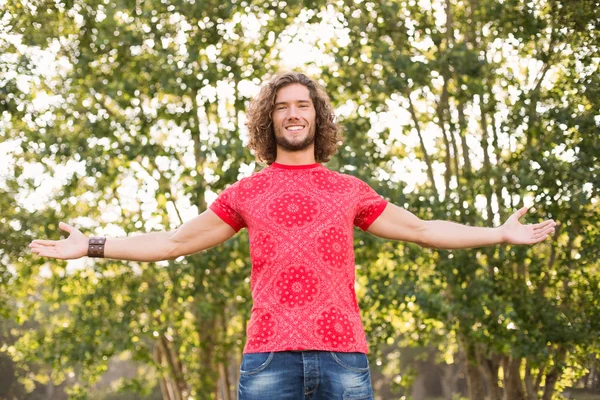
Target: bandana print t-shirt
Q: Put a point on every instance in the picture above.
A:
(300, 221)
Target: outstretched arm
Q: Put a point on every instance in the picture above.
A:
(204, 231)
(399, 224)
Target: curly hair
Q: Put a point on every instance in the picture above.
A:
(260, 123)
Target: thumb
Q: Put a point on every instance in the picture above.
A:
(66, 227)
(522, 211)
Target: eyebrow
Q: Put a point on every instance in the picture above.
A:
(297, 101)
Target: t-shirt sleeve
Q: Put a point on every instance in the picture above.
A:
(370, 206)
(226, 207)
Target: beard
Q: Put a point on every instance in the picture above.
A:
(288, 145)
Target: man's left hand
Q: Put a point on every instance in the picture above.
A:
(514, 232)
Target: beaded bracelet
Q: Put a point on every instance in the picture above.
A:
(96, 247)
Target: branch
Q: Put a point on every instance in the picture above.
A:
(487, 166)
(498, 155)
(462, 126)
(411, 109)
(179, 384)
(552, 259)
(164, 389)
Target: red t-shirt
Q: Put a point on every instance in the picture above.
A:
(300, 222)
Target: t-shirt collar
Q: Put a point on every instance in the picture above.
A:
(286, 166)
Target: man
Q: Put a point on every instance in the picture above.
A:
(305, 336)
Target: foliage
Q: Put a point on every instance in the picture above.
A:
(460, 110)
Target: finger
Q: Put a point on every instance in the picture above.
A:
(545, 224)
(522, 211)
(550, 234)
(538, 239)
(40, 248)
(44, 252)
(549, 230)
(42, 245)
(65, 227)
(544, 234)
(542, 228)
(43, 242)
(544, 231)
(519, 213)
(47, 252)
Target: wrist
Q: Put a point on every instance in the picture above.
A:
(96, 247)
(501, 234)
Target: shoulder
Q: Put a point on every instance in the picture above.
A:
(254, 176)
(255, 185)
(339, 174)
(351, 178)
(327, 180)
(356, 181)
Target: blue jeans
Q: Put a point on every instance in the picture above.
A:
(304, 375)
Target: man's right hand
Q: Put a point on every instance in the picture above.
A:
(75, 246)
(201, 232)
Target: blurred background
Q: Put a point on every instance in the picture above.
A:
(127, 116)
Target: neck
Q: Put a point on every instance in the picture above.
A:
(303, 157)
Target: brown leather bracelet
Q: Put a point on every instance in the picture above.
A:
(96, 247)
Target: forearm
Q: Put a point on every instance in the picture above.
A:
(154, 246)
(202, 232)
(450, 235)
(399, 224)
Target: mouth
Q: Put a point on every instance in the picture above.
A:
(294, 128)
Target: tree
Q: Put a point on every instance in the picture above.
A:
(144, 116)
(499, 115)
(454, 110)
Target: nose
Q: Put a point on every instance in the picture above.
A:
(292, 112)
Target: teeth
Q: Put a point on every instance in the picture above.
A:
(294, 128)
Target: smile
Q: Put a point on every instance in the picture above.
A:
(294, 128)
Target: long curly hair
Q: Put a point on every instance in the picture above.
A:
(260, 123)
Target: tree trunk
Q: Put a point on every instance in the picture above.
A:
(441, 111)
(475, 382)
(413, 114)
(595, 380)
(175, 367)
(538, 378)
(164, 386)
(490, 365)
(450, 379)
(205, 329)
(224, 378)
(498, 154)
(513, 385)
(530, 384)
(462, 127)
(474, 377)
(554, 374)
(590, 379)
(224, 364)
(487, 166)
(174, 385)
(225, 382)
(50, 387)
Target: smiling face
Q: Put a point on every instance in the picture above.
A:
(294, 118)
